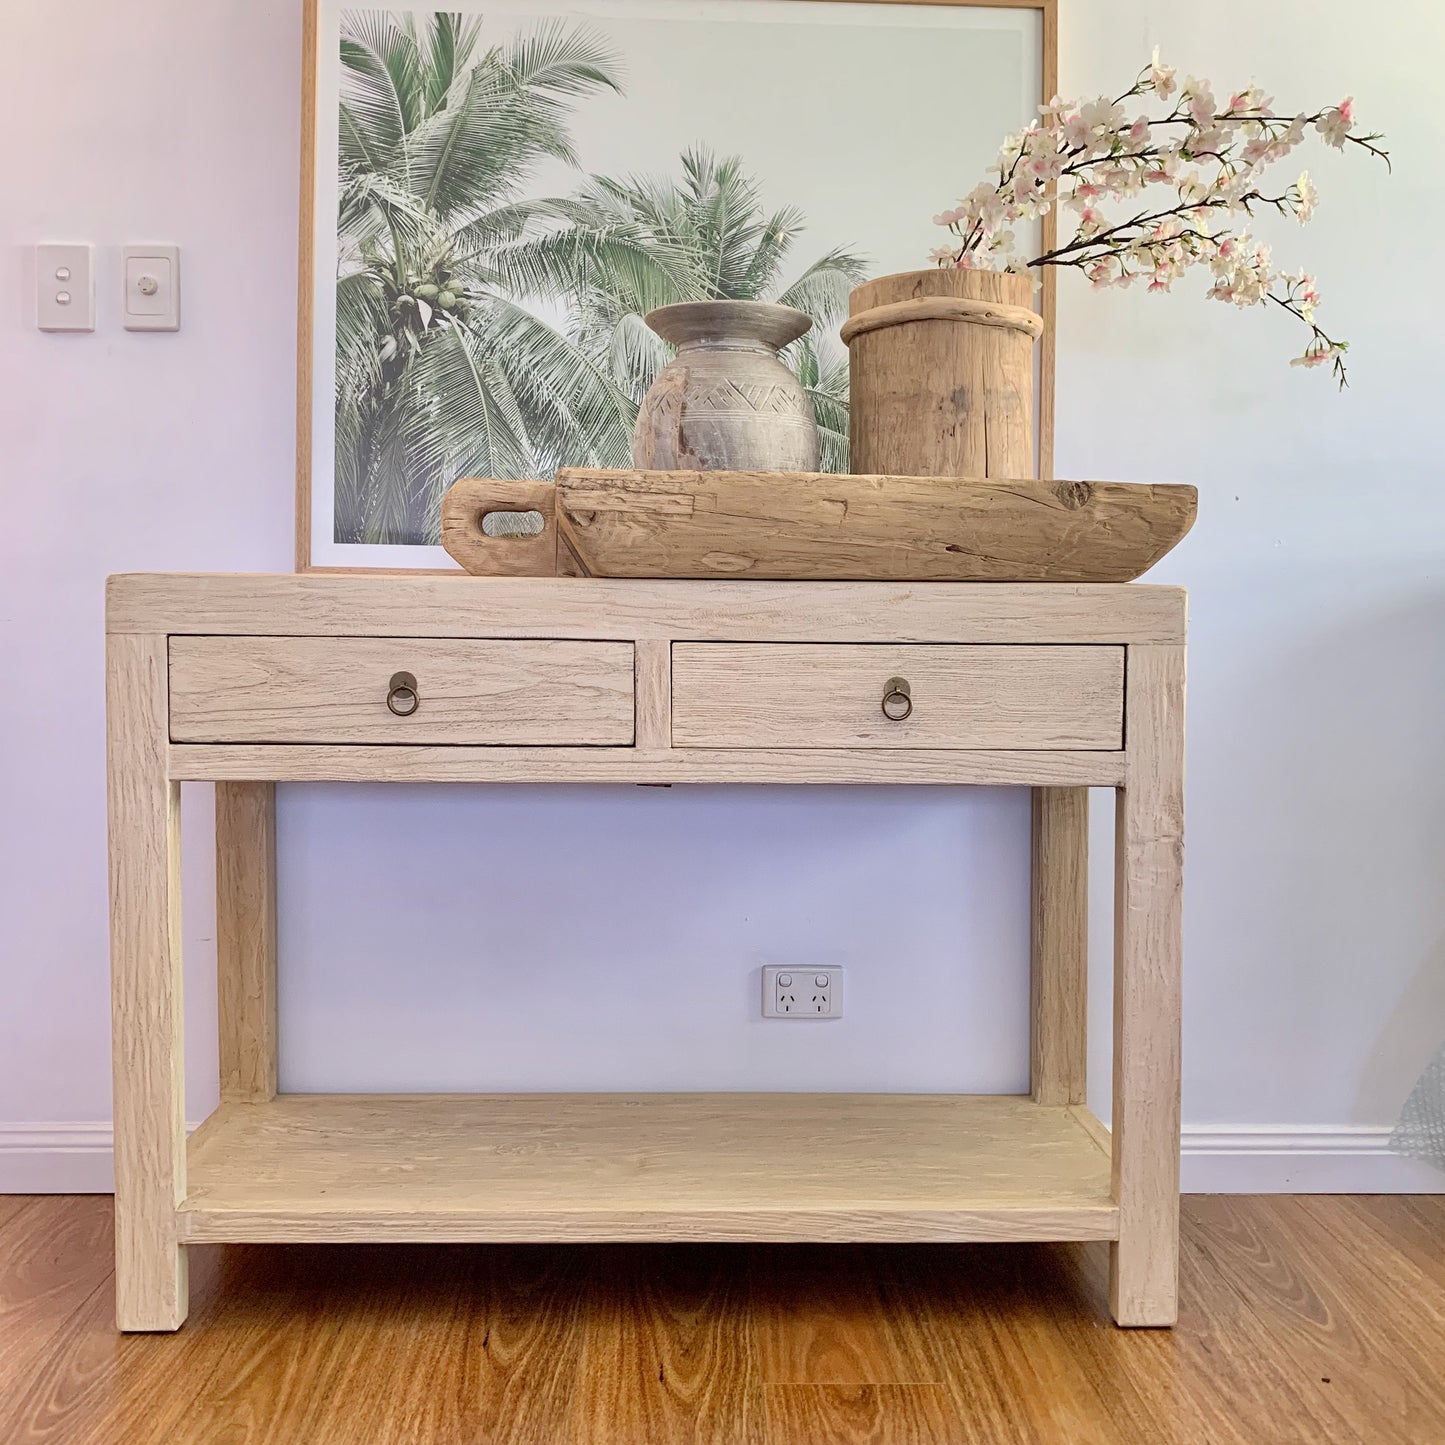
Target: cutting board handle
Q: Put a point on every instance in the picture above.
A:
(513, 543)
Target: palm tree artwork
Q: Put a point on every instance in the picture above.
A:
(443, 369)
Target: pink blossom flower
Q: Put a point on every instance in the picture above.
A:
(1161, 77)
(1199, 101)
(1335, 124)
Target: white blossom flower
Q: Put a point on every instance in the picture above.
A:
(1161, 77)
(1307, 194)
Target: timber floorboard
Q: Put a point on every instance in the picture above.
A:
(1303, 1320)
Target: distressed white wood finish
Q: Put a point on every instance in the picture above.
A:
(1059, 952)
(334, 690)
(1045, 712)
(246, 938)
(147, 1058)
(648, 1166)
(773, 695)
(817, 525)
(201, 762)
(461, 606)
(654, 694)
(1148, 951)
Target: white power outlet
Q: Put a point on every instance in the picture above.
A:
(802, 992)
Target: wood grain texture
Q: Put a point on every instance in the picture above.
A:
(232, 604)
(468, 503)
(306, 280)
(669, 1353)
(1148, 947)
(655, 1166)
(946, 395)
(246, 939)
(334, 690)
(1059, 949)
(1303, 1321)
(818, 527)
(802, 766)
(1048, 294)
(147, 1064)
(864, 1415)
(654, 695)
(747, 695)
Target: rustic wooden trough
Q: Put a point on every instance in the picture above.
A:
(812, 526)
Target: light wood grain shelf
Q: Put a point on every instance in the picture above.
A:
(646, 1167)
(249, 681)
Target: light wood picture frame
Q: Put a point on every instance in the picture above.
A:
(853, 99)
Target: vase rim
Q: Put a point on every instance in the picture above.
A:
(688, 323)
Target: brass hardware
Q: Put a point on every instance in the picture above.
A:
(402, 697)
(897, 699)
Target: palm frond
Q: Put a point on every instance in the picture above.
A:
(571, 402)
(380, 73)
(822, 290)
(566, 60)
(476, 151)
(372, 206)
(775, 239)
(446, 45)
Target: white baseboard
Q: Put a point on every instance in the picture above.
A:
(55, 1159)
(1217, 1159)
(1312, 1159)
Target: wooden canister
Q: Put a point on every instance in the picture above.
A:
(941, 368)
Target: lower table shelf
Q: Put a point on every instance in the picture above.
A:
(536, 1167)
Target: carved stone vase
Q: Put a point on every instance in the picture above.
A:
(726, 402)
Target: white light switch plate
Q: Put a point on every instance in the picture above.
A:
(151, 282)
(64, 288)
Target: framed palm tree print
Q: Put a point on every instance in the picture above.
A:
(495, 195)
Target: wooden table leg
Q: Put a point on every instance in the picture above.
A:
(1059, 978)
(147, 1054)
(246, 939)
(1149, 878)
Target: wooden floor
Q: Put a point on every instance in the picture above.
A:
(1304, 1320)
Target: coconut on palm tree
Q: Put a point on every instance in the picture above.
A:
(440, 372)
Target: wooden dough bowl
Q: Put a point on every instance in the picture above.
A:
(813, 526)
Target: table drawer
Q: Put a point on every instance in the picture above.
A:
(787, 695)
(335, 690)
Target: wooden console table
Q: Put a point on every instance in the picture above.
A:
(246, 681)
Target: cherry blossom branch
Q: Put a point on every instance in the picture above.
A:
(1086, 156)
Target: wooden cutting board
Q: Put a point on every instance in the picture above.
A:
(813, 526)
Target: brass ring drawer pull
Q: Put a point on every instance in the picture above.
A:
(402, 697)
(897, 699)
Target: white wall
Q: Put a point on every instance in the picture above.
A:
(1315, 989)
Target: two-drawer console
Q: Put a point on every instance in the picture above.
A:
(250, 680)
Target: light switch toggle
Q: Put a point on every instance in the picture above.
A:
(152, 288)
(64, 288)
